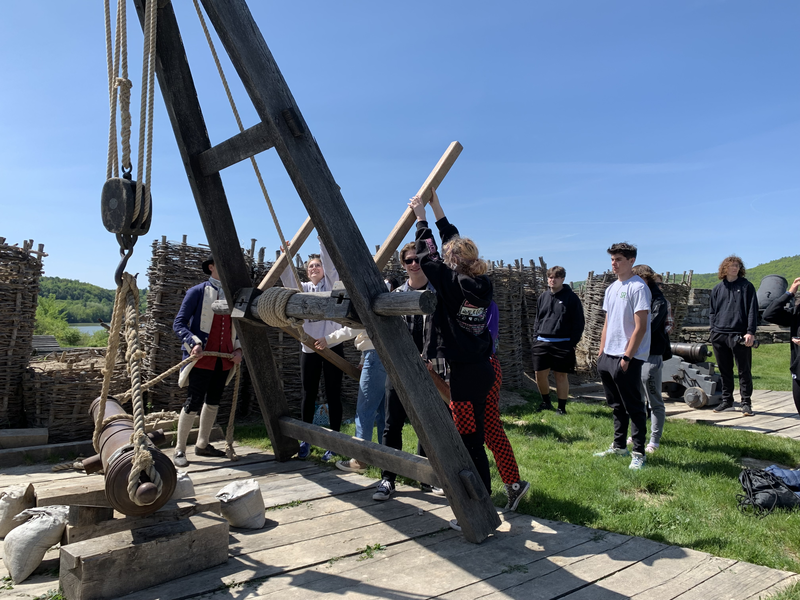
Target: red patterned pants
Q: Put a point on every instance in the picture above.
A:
(494, 434)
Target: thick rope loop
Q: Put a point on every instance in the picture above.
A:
(271, 307)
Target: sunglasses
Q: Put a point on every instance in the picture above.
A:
(411, 261)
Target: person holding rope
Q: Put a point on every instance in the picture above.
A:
(464, 294)
(323, 275)
(199, 329)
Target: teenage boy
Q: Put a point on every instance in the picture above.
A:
(624, 346)
(558, 329)
(733, 316)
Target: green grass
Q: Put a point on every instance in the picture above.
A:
(685, 496)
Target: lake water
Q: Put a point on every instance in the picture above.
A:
(89, 328)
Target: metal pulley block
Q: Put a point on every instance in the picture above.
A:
(118, 203)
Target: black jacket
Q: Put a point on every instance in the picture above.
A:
(780, 313)
(560, 315)
(734, 307)
(659, 311)
(462, 302)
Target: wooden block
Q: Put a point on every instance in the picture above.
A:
(118, 564)
(171, 511)
(20, 438)
(92, 492)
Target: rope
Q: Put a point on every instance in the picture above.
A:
(117, 59)
(146, 112)
(271, 307)
(229, 451)
(241, 129)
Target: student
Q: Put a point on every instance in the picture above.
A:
(323, 275)
(781, 313)
(624, 346)
(659, 352)
(558, 329)
(733, 317)
(200, 329)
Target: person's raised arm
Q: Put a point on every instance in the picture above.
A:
(436, 206)
(287, 277)
(331, 273)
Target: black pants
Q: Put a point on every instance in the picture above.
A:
(312, 366)
(470, 384)
(796, 393)
(727, 350)
(624, 395)
(393, 432)
(205, 385)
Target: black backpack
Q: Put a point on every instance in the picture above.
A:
(764, 492)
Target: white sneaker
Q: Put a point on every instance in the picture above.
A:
(613, 451)
(637, 461)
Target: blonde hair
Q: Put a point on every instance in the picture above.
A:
(461, 254)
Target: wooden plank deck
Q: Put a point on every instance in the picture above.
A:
(775, 414)
(320, 520)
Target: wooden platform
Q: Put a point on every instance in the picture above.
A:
(320, 522)
(775, 414)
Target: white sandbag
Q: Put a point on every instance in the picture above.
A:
(25, 546)
(13, 500)
(184, 488)
(242, 504)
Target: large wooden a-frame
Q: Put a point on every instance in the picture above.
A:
(283, 128)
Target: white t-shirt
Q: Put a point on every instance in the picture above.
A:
(622, 300)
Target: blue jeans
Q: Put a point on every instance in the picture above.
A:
(370, 407)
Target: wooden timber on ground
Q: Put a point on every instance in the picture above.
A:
(321, 520)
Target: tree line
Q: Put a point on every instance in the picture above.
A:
(81, 302)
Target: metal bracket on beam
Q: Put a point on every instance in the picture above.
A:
(340, 308)
(244, 305)
(295, 126)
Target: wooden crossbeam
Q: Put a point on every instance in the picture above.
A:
(302, 337)
(405, 223)
(241, 146)
(324, 203)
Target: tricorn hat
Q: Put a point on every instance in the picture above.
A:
(208, 261)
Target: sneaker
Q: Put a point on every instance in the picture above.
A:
(561, 411)
(385, 490)
(327, 455)
(351, 466)
(515, 493)
(546, 405)
(179, 459)
(747, 410)
(722, 406)
(425, 487)
(611, 450)
(637, 461)
(454, 525)
(437, 491)
(209, 451)
(651, 447)
(305, 450)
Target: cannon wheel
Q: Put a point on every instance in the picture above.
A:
(695, 397)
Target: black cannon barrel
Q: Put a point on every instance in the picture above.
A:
(694, 353)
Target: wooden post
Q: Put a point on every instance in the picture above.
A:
(405, 223)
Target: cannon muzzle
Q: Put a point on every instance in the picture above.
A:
(693, 353)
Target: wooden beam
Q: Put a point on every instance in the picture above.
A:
(233, 150)
(281, 263)
(323, 200)
(302, 337)
(414, 467)
(180, 97)
(407, 220)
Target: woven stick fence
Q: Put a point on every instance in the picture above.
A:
(20, 270)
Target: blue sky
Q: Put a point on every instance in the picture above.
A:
(671, 125)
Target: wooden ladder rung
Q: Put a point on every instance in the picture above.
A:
(408, 465)
(241, 146)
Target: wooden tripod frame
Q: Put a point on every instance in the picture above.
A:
(283, 128)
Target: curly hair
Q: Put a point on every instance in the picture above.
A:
(723, 266)
(627, 250)
(461, 254)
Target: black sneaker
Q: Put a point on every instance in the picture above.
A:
(515, 493)
(722, 406)
(561, 411)
(546, 405)
(384, 491)
(747, 410)
(209, 451)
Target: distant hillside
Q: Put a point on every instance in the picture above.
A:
(81, 302)
(788, 267)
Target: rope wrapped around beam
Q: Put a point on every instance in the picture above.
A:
(271, 308)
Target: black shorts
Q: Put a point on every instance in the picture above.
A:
(558, 356)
